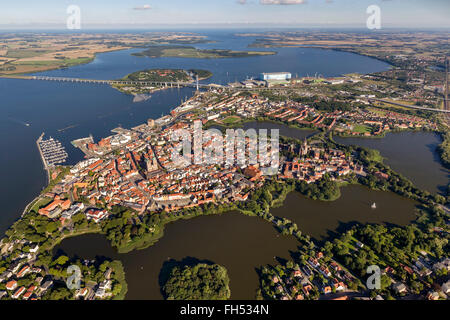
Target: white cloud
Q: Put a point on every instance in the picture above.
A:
(144, 7)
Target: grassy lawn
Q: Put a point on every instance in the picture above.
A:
(40, 203)
(361, 128)
(407, 103)
(231, 120)
(390, 106)
(377, 111)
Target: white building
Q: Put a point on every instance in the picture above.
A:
(279, 76)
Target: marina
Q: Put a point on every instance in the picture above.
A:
(52, 152)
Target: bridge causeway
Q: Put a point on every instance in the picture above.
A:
(126, 82)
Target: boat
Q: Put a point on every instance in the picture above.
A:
(374, 205)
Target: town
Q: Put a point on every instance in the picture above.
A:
(134, 169)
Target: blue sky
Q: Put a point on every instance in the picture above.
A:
(270, 13)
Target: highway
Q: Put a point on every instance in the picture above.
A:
(407, 106)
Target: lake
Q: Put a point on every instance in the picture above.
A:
(321, 219)
(238, 242)
(413, 154)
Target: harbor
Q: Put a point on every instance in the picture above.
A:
(52, 152)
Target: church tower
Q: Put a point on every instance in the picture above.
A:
(304, 149)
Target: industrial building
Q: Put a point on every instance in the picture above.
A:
(275, 76)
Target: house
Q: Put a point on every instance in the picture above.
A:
(47, 285)
(18, 292)
(326, 289)
(108, 273)
(313, 262)
(11, 285)
(15, 266)
(399, 287)
(444, 264)
(100, 293)
(299, 297)
(306, 289)
(324, 270)
(96, 214)
(5, 275)
(81, 292)
(297, 273)
(253, 172)
(26, 269)
(27, 295)
(340, 286)
(335, 266)
(34, 249)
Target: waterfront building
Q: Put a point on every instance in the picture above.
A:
(277, 76)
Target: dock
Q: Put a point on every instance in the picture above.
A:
(38, 143)
(52, 152)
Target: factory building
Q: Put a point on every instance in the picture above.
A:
(275, 76)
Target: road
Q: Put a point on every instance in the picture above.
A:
(409, 106)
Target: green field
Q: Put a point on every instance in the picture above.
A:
(21, 54)
(361, 128)
(231, 120)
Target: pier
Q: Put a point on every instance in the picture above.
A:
(52, 153)
(38, 143)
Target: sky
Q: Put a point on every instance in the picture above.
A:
(111, 14)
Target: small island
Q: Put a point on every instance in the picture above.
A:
(178, 51)
(158, 75)
(199, 282)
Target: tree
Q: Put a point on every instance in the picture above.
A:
(61, 260)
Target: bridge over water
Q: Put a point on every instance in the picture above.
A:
(125, 82)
